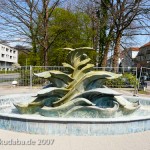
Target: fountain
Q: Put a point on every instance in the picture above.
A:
(75, 103)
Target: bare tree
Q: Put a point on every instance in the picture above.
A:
(104, 28)
(116, 18)
(97, 11)
(28, 21)
(123, 14)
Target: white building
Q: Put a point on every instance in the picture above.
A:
(8, 56)
(143, 57)
(127, 57)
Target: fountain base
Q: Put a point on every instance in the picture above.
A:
(36, 124)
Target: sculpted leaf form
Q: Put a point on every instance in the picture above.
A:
(44, 75)
(57, 78)
(63, 109)
(80, 93)
(45, 97)
(83, 83)
(69, 67)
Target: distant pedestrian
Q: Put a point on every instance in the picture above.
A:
(120, 67)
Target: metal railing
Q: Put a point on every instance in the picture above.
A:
(25, 76)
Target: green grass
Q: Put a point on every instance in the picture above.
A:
(144, 92)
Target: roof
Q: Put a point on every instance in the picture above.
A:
(7, 45)
(134, 48)
(130, 49)
(147, 44)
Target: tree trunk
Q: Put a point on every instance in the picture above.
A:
(45, 24)
(103, 26)
(116, 52)
(104, 60)
(34, 49)
(45, 59)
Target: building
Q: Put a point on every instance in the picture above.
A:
(127, 57)
(109, 62)
(143, 57)
(8, 56)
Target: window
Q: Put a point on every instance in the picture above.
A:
(10, 57)
(11, 51)
(14, 52)
(148, 57)
(3, 47)
(3, 55)
(7, 49)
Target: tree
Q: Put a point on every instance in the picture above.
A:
(23, 55)
(28, 20)
(123, 14)
(106, 28)
(102, 27)
(115, 17)
(76, 32)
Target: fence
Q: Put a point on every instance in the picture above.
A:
(25, 76)
(144, 73)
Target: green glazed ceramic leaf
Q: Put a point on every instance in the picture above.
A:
(63, 109)
(45, 75)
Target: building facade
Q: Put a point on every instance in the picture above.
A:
(8, 56)
(127, 57)
(143, 57)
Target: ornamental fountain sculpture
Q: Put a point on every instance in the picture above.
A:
(80, 93)
(75, 103)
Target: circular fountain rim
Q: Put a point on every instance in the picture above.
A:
(84, 120)
(36, 117)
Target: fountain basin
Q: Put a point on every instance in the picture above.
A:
(36, 124)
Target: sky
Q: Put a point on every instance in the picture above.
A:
(137, 41)
(141, 40)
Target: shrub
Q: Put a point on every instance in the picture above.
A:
(126, 80)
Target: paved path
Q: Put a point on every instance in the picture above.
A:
(5, 90)
(137, 141)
